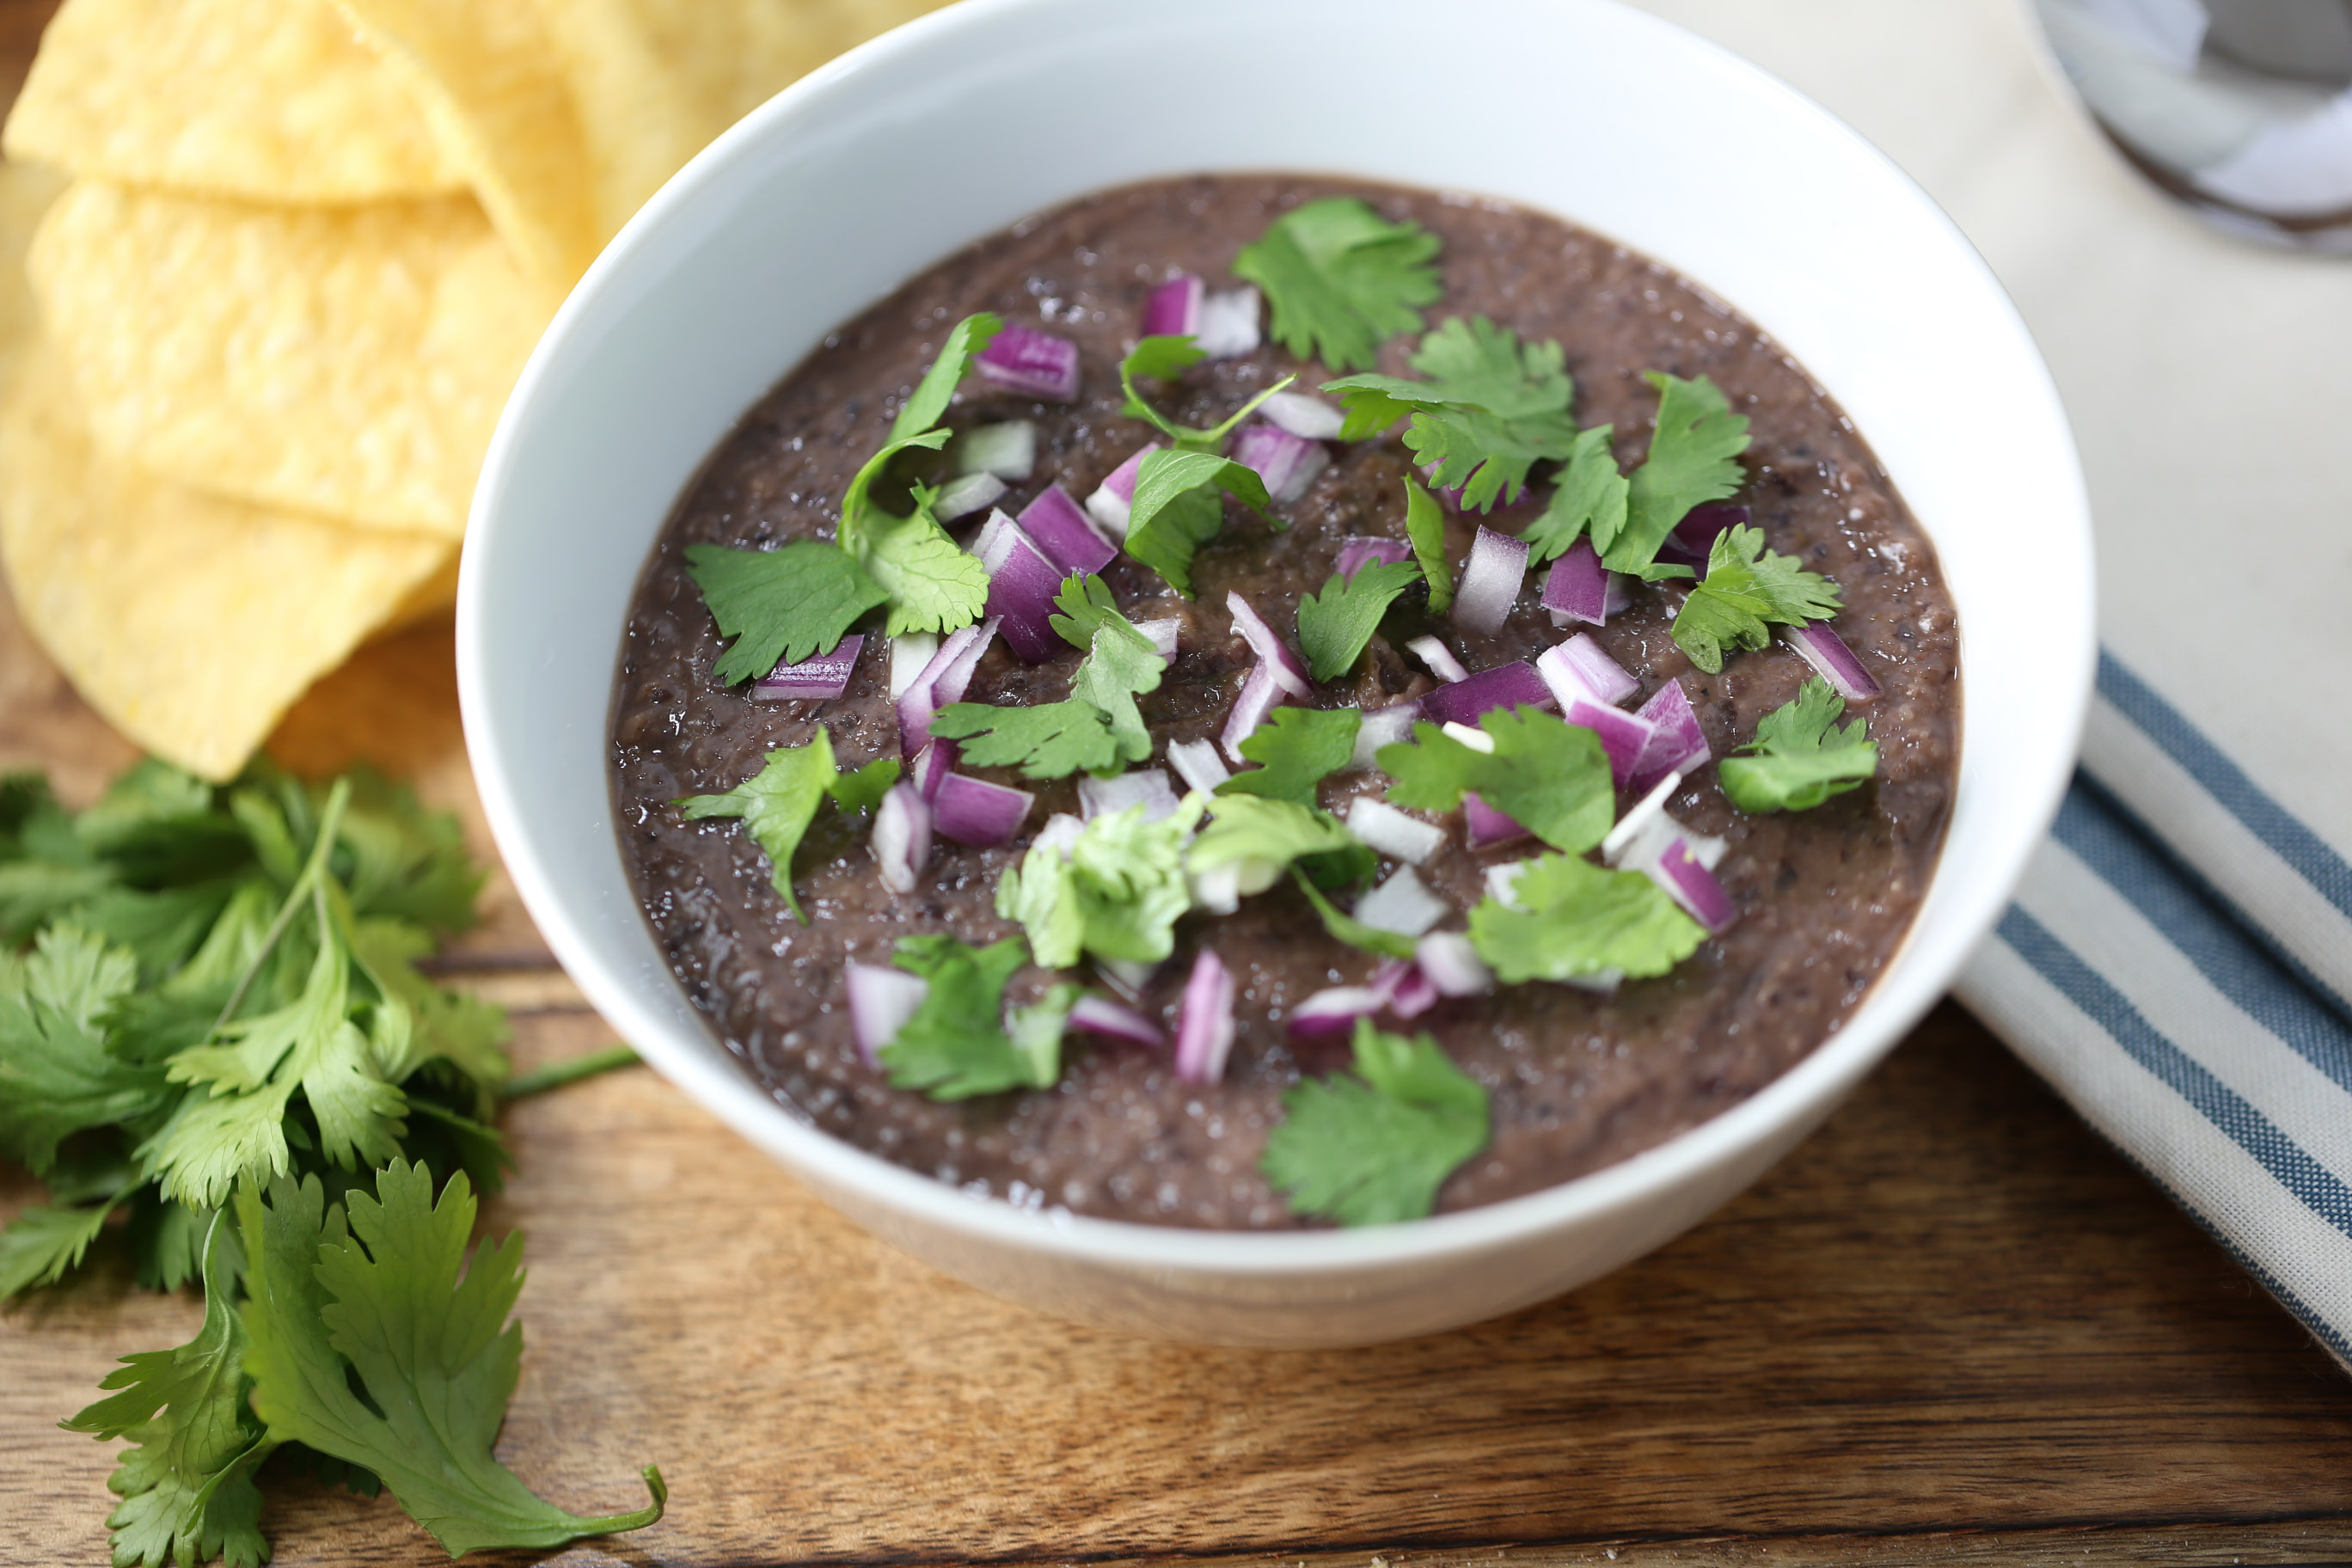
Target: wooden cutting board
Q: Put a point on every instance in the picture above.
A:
(1953, 1328)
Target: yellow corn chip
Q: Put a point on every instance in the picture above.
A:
(190, 622)
(485, 73)
(343, 362)
(265, 100)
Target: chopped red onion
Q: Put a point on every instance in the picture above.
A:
(1173, 311)
(1303, 415)
(1020, 588)
(1453, 965)
(1198, 763)
(1415, 994)
(1638, 818)
(1228, 327)
(1393, 833)
(1334, 1011)
(1356, 553)
(1146, 787)
(1162, 634)
(1486, 826)
(941, 681)
(1402, 904)
(1621, 593)
(1578, 587)
(1650, 840)
(1581, 668)
(934, 764)
(880, 1002)
(1490, 581)
(1690, 884)
(1827, 653)
(1624, 736)
(1113, 500)
(1692, 541)
(910, 654)
(1387, 726)
(1289, 672)
(1678, 744)
(901, 838)
(1439, 658)
(1260, 692)
(1008, 450)
(1287, 463)
(1513, 685)
(1101, 1015)
(974, 812)
(1204, 1024)
(1024, 360)
(818, 679)
(1064, 534)
(960, 498)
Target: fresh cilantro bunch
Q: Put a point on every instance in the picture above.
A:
(1373, 1146)
(1567, 918)
(1490, 409)
(1802, 755)
(782, 606)
(1178, 504)
(1096, 729)
(1340, 280)
(779, 803)
(1550, 776)
(1748, 590)
(1116, 891)
(1334, 626)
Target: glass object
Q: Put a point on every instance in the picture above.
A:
(2239, 107)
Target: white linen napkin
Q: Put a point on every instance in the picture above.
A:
(2179, 961)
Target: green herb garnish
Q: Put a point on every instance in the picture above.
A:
(1803, 755)
(1746, 590)
(1097, 728)
(780, 605)
(1589, 494)
(1264, 835)
(1163, 358)
(1569, 920)
(955, 1046)
(1550, 777)
(1345, 927)
(1489, 411)
(1334, 625)
(1340, 280)
(1373, 1147)
(1296, 749)
(1693, 460)
(1179, 506)
(779, 803)
(1116, 891)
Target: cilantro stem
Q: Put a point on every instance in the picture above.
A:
(330, 821)
(1219, 433)
(557, 1075)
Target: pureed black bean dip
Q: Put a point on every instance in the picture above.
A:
(1489, 823)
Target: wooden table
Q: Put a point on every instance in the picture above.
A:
(1953, 1328)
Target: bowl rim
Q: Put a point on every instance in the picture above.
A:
(1798, 1096)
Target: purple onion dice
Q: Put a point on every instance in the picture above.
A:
(976, 813)
(1065, 535)
(1678, 744)
(1514, 685)
(1038, 364)
(1836, 663)
(1578, 587)
(1692, 539)
(1287, 463)
(1020, 588)
(1355, 554)
(1174, 308)
(819, 679)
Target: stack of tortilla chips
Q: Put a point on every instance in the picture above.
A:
(291, 256)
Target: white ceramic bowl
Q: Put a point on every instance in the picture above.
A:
(954, 127)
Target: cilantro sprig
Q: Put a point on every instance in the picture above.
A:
(1340, 280)
(1424, 526)
(1345, 927)
(1266, 834)
(1747, 591)
(1693, 459)
(956, 1045)
(1163, 358)
(1116, 891)
(1097, 728)
(1334, 626)
(1802, 755)
(1588, 496)
(1296, 749)
(779, 803)
(1490, 409)
(1568, 918)
(1178, 506)
(1550, 776)
(1374, 1146)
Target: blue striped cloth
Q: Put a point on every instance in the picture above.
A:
(2176, 963)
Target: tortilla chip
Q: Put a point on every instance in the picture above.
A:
(190, 622)
(485, 72)
(342, 362)
(264, 100)
(26, 191)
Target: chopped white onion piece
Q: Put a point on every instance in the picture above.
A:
(901, 837)
(1217, 890)
(910, 652)
(1146, 787)
(1162, 634)
(1197, 762)
(1260, 692)
(1127, 976)
(1453, 965)
(1581, 667)
(1476, 740)
(1490, 581)
(1061, 831)
(1204, 1027)
(1303, 415)
(1638, 817)
(1100, 1016)
(880, 1002)
(1334, 1011)
(1503, 883)
(1008, 451)
(1383, 727)
(1228, 325)
(1287, 671)
(962, 497)
(1111, 504)
(1402, 904)
(1439, 658)
(1393, 833)
(1601, 982)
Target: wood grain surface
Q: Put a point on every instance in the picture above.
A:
(1953, 1329)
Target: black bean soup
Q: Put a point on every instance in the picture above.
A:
(1576, 1080)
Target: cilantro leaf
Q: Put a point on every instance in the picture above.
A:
(928, 404)
(187, 1482)
(955, 1046)
(1115, 891)
(1574, 918)
(42, 1245)
(1693, 460)
(376, 1303)
(1087, 605)
(1588, 495)
(1177, 508)
(777, 805)
(1424, 525)
(1373, 1147)
(1747, 588)
(1334, 627)
(1489, 411)
(1550, 776)
(1346, 927)
(862, 789)
(1265, 834)
(57, 1075)
(780, 605)
(1295, 748)
(1804, 757)
(1340, 280)
(933, 584)
(1163, 358)
(1097, 728)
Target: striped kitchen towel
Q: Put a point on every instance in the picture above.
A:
(2176, 963)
